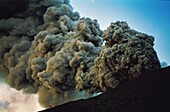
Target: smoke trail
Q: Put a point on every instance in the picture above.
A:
(48, 49)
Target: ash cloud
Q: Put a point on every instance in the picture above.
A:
(126, 54)
(10, 7)
(48, 49)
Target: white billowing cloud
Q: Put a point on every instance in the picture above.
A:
(12, 100)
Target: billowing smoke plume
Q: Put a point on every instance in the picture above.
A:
(49, 49)
(126, 54)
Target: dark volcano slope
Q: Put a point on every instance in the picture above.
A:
(148, 93)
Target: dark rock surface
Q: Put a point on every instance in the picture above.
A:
(148, 93)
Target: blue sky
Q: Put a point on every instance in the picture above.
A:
(151, 17)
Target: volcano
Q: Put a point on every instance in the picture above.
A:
(148, 93)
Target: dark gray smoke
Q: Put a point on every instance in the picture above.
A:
(126, 54)
(11, 7)
(49, 49)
